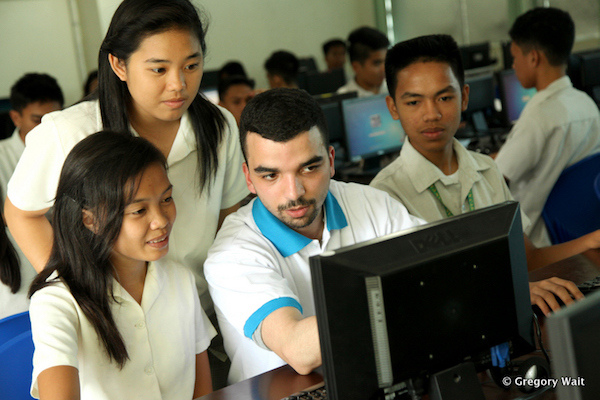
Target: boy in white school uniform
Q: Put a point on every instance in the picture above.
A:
(435, 176)
(367, 49)
(31, 97)
(558, 127)
(257, 269)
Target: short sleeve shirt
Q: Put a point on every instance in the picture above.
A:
(558, 127)
(257, 264)
(34, 183)
(409, 177)
(162, 336)
(352, 86)
(10, 152)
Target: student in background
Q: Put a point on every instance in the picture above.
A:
(367, 49)
(258, 268)
(558, 127)
(110, 317)
(231, 68)
(31, 97)
(150, 67)
(282, 70)
(435, 176)
(91, 83)
(234, 93)
(334, 51)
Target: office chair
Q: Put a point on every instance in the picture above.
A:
(16, 367)
(573, 206)
(14, 325)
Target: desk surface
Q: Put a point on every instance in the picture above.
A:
(284, 381)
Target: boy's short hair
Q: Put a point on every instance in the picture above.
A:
(333, 43)
(232, 68)
(226, 83)
(284, 64)
(430, 48)
(365, 40)
(547, 29)
(280, 115)
(32, 88)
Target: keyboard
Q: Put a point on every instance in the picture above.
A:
(590, 286)
(316, 392)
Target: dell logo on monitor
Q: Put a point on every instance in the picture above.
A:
(435, 240)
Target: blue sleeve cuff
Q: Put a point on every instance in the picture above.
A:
(259, 315)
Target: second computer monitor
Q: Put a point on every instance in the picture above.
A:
(370, 129)
(513, 95)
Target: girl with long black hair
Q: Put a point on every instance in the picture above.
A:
(111, 317)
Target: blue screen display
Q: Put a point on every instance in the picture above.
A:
(370, 129)
(515, 95)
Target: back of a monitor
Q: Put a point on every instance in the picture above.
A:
(574, 334)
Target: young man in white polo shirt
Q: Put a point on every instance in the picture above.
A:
(435, 177)
(559, 126)
(257, 269)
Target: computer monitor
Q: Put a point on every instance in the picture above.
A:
(476, 56)
(512, 95)
(584, 70)
(324, 82)
(573, 334)
(482, 94)
(370, 129)
(404, 307)
(211, 94)
(332, 108)
(507, 57)
(210, 79)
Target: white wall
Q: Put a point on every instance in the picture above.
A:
(37, 36)
(250, 30)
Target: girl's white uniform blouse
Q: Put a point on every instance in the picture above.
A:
(162, 337)
(34, 182)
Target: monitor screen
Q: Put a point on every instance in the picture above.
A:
(573, 335)
(513, 95)
(370, 129)
(482, 93)
(211, 94)
(332, 108)
(408, 305)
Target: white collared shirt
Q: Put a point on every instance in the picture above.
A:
(162, 336)
(35, 180)
(558, 127)
(409, 177)
(10, 152)
(352, 86)
(257, 265)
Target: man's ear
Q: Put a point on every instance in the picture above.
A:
(391, 105)
(247, 175)
(16, 118)
(118, 66)
(89, 220)
(465, 97)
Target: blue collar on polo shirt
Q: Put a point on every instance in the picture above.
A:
(287, 240)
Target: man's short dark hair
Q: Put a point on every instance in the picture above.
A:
(363, 41)
(547, 29)
(280, 115)
(333, 43)
(431, 48)
(232, 68)
(285, 64)
(226, 83)
(32, 88)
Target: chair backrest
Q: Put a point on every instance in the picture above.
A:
(16, 367)
(14, 325)
(573, 207)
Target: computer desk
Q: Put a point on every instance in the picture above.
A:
(284, 381)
